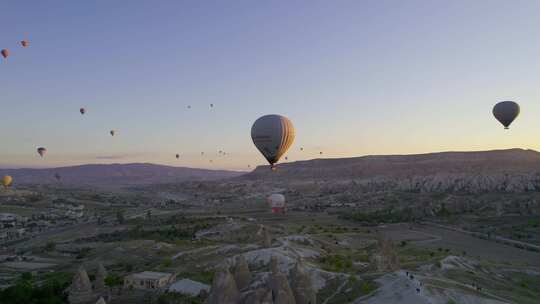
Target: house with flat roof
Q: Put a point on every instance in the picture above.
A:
(148, 280)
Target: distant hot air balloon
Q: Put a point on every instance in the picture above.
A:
(320, 153)
(112, 132)
(301, 149)
(277, 203)
(505, 112)
(286, 158)
(41, 151)
(272, 135)
(7, 180)
(202, 153)
(177, 156)
(5, 53)
(211, 105)
(82, 110)
(189, 107)
(57, 176)
(25, 43)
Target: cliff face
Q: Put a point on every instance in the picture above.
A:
(512, 170)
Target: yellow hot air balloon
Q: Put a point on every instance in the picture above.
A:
(7, 180)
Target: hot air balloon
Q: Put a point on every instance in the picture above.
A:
(211, 105)
(112, 132)
(202, 153)
(301, 149)
(5, 53)
(320, 153)
(189, 107)
(7, 180)
(41, 151)
(57, 176)
(272, 135)
(177, 156)
(277, 203)
(505, 112)
(286, 158)
(82, 110)
(25, 43)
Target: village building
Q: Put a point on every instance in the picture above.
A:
(148, 280)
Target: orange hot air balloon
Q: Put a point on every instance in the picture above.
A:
(41, 151)
(5, 53)
(25, 43)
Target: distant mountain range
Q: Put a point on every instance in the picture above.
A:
(114, 175)
(513, 170)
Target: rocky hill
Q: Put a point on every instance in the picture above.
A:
(513, 170)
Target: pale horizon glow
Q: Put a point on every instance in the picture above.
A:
(355, 78)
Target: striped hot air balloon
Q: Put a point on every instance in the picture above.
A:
(272, 135)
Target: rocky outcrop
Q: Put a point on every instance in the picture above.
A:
(80, 290)
(265, 236)
(101, 274)
(101, 301)
(259, 296)
(281, 290)
(242, 275)
(302, 286)
(224, 289)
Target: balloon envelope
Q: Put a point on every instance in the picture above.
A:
(41, 151)
(7, 180)
(5, 53)
(505, 112)
(112, 132)
(25, 43)
(82, 110)
(177, 156)
(272, 135)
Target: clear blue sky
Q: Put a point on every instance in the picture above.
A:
(355, 77)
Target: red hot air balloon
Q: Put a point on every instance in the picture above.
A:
(41, 151)
(82, 110)
(5, 53)
(25, 43)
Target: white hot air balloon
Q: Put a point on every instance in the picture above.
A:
(277, 203)
(272, 135)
